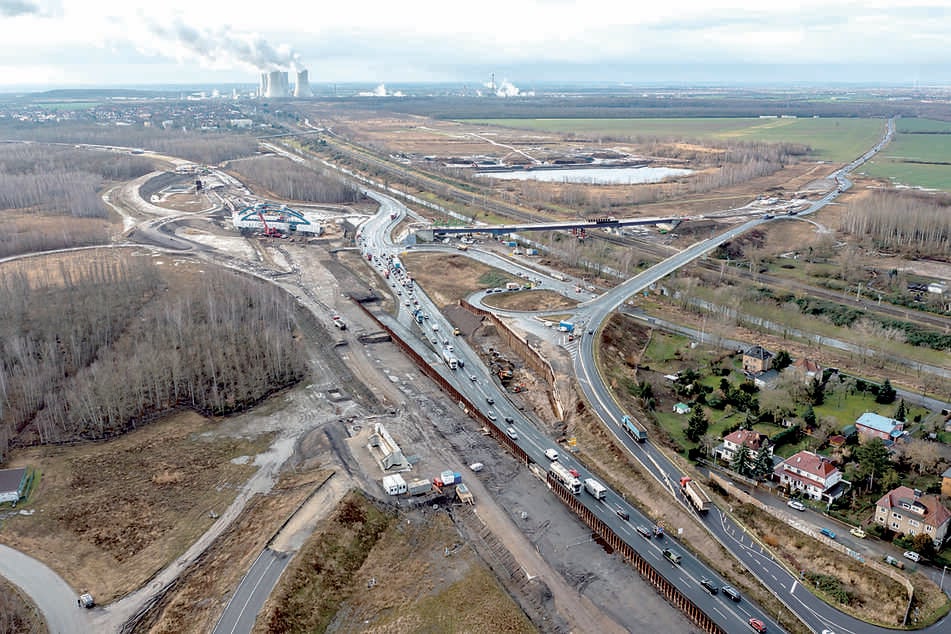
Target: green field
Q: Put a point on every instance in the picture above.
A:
(894, 161)
(68, 105)
(838, 140)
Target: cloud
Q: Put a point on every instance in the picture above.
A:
(15, 8)
(219, 48)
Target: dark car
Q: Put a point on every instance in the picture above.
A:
(731, 592)
(709, 585)
(622, 513)
(490, 400)
(508, 419)
(644, 531)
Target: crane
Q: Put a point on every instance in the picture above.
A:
(268, 231)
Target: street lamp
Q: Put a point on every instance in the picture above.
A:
(941, 586)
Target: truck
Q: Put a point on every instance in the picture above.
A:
(450, 359)
(531, 251)
(512, 286)
(462, 247)
(595, 488)
(559, 276)
(633, 430)
(434, 326)
(566, 326)
(561, 473)
(447, 478)
(386, 273)
(695, 493)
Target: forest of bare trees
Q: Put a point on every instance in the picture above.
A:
(100, 344)
(209, 147)
(286, 179)
(909, 223)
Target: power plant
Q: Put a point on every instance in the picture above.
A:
(276, 85)
(302, 87)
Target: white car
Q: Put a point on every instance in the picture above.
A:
(796, 504)
(910, 554)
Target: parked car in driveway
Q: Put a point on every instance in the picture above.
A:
(796, 504)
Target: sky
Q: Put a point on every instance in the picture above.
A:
(94, 43)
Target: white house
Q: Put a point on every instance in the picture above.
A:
(753, 441)
(812, 475)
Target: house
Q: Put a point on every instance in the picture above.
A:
(765, 379)
(681, 408)
(946, 483)
(752, 440)
(757, 359)
(907, 511)
(806, 369)
(870, 425)
(813, 475)
(12, 485)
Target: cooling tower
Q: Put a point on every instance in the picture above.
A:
(277, 85)
(302, 87)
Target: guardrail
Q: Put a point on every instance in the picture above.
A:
(650, 574)
(612, 539)
(469, 407)
(531, 356)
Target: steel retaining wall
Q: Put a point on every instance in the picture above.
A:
(641, 565)
(645, 569)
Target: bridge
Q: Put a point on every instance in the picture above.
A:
(592, 223)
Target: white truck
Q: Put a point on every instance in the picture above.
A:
(695, 493)
(561, 473)
(434, 326)
(450, 359)
(595, 488)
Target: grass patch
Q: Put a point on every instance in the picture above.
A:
(831, 139)
(448, 278)
(916, 158)
(663, 349)
(530, 300)
(319, 579)
(109, 515)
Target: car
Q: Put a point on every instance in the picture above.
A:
(511, 433)
(456, 331)
(796, 504)
(405, 302)
(858, 532)
(671, 556)
(828, 532)
(551, 454)
(574, 472)
(473, 377)
(492, 417)
(590, 332)
(757, 625)
(622, 513)
(508, 419)
(731, 592)
(490, 400)
(711, 587)
(644, 531)
(910, 554)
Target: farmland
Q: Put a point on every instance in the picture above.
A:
(919, 156)
(837, 140)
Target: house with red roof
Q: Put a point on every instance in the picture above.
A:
(905, 510)
(812, 476)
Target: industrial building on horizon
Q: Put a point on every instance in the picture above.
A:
(276, 85)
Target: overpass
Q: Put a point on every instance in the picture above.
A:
(593, 223)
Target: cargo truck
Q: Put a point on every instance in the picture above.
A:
(695, 493)
(561, 473)
(450, 359)
(566, 326)
(595, 488)
(512, 286)
(633, 430)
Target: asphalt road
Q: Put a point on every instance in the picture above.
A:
(53, 596)
(249, 597)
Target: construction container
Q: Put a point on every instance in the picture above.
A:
(418, 487)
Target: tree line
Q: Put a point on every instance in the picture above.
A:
(908, 223)
(99, 345)
(208, 147)
(289, 180)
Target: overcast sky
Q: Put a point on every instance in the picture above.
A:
(62, 43)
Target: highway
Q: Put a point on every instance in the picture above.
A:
(248, 600)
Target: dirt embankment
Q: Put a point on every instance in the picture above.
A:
(17, 613)
(369, 570)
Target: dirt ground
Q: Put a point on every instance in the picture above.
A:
(446, 278)
(108, 515)
(17, 612)
(530, 300)
(203, 591)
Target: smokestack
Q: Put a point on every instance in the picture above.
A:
(262, 87)
(277, 85)
(302, 87)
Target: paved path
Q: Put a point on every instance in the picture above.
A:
(53, 596)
